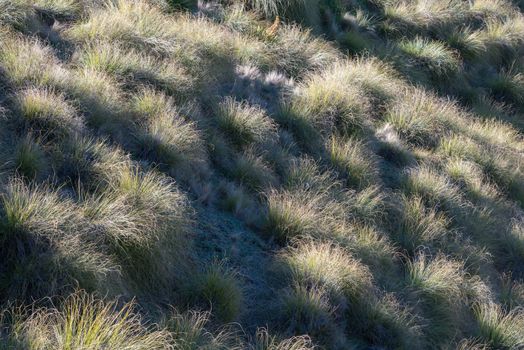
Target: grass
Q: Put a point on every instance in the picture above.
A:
(419, 225)
(327, 106)
(298, 51)
(438, 278)
(300, 213)
(133, 67)
(28, 158)
(164, 132)
(432, 56)
(419, 118)
(358, 165)
(253, 172)
(329, 267)
(27, 62)
(216, 288)
(508, 84)
(244, 124)
(84, 322)
(33, 209)
(434, 188)
(307, 310)
(499, 328)
(352, 161)
(46, 112)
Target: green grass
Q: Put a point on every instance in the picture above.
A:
(330, 267)
(243, 124)
(164, 131)
(84, 322)
(420, 226)
(432, 56)
(29, 159)
(420, 118)
(353, 162)
(48, 113)
(307, 310)
(358, 165)
(438, 278)
(500, 328)
(216, 288)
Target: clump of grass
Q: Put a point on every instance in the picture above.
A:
(308, 311)
(460, 147)
(29, 158)
(419, 225)
(512, 244)
(306, 173)
(264, 341)
(99, 96)
(383, 321)
(240, 202)
(253, 171)
(217, 288)
(42, 234)
(48, 113)
(492, 9)
(131, 67)
(470, 177)
(500, 329)
(297, 51)
(365, 206)
(437, 278)
(468, 42)
(420, 118)
(163, 133)
(244, 124)
(14, 13)
(512, 294)
(32, 209)
(352, 160)
(432, 56)
(391, 148)
(376, 78)
(433, 187)
(327, 266)
(297, 213)
(369, 245)
(128, 22)
(90, 162)
(508, 85)
(85, 322)
(502, 38)
(331, 102)
(60, 9)
(189, 332)
(27, 62)
(144, 218)
(423, 16)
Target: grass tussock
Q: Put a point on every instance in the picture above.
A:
(353, 161)
(500, 328)
(45, 112)
(244, 124)
(164, 132)
(84, 322)
(217, 289)
(419, 225)
(420, 118)
(329, 267)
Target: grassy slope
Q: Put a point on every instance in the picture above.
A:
(347, 174)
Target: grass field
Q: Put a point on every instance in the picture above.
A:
(261, 174)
